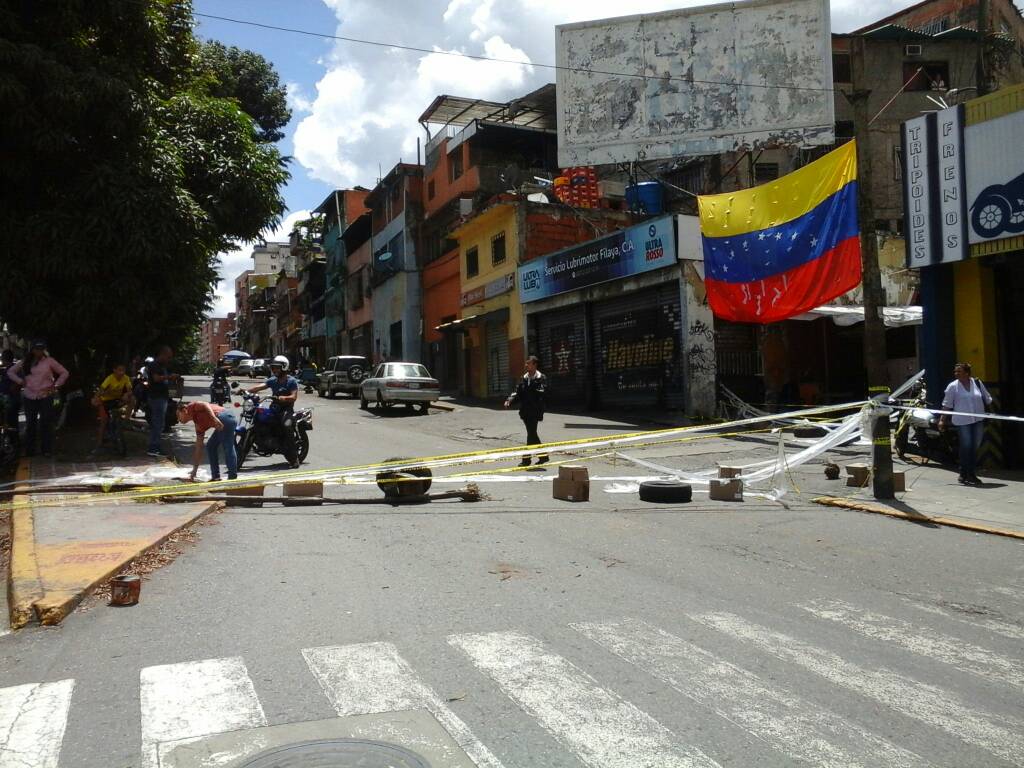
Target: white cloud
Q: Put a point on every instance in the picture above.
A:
(234, 263)
(297, 99)
(365, 110)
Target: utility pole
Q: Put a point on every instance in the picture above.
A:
(874, 295)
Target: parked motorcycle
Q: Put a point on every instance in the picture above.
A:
(918, 432)
(259, 430)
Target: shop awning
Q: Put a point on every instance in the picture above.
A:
(895, 317)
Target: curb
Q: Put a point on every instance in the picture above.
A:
(27, 598)
(24, 586)
(55, 609)
(443, 406)
(862, 506)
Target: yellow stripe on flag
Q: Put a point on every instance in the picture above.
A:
(779, 201)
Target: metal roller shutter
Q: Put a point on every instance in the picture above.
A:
(497, 359)
(638, 359)
(561, 347)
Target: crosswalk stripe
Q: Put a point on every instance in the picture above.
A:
(603, 729)
(786, 722)
(185, 702)
(926, 703)
(32, 722)
(1004, 628)
(373, 677)
(963, 655)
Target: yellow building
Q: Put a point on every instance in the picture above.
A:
(490, 313)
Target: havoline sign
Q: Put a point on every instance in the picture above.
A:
(641, 248)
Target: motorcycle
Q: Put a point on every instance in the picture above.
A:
(919, 427)
(259, 429)
(219, 392)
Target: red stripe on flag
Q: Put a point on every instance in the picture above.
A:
(789, 293)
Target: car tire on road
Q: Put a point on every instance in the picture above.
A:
(424, 407)
(665, 491)
(382, 403)
(363, 402)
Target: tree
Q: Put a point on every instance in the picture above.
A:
(251, 79)
(124, 171)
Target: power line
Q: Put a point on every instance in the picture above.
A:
(498, 60)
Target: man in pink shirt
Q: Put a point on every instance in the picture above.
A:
(40, 376)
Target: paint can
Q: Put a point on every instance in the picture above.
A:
(124, 590)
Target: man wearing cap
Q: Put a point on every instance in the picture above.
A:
(39, 376)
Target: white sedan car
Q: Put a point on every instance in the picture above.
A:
(408, 383)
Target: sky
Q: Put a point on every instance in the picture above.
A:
(355, 107)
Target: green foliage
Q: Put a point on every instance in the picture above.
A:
(122, 174)
(251, 79)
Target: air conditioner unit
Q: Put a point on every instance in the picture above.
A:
(913, 50)
(465, 206)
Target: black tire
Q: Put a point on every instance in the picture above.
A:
(244, 447)
(330, 392)
(363, 402)
(302, 445)
(319, 392)
(356, 373)
(392, 489)
(990, 216)
(424, 407)
(809, 432)
(665, 492)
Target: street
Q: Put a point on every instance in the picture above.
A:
(543, 633)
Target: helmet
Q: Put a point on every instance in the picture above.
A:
(281, 361)
(149, 359)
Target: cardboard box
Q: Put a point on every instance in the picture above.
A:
(570, 490)
(727, 472)
(726, 490)
(857, 475)
(246, 495)
(573, 472)
(899, 481)
(303, 493)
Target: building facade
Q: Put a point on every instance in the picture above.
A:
(358, 339)
(396, 212)
(339, 210)
(214, 338)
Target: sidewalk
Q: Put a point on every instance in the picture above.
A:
(60, 553)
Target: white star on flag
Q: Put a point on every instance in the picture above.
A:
(778, 235)
(794, 236)
(760, 236)
(814, 241)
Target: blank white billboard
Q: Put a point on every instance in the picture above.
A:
(695, 81)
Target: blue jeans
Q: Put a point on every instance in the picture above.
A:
(226, 438)
(970, 441)
(38, 411)
(157, 416)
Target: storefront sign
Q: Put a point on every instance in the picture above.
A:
(637, 351)
(995, 177)
(494, 288)
(935, 195)
(645, 247)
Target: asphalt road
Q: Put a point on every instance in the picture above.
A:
(541, 633)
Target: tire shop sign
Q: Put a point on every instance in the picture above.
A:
(963, 185)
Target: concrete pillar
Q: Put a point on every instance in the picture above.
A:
(698, 343)
(938, 335)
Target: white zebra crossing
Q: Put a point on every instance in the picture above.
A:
(185, 702)
(603, 729)
(926, 703)
(372, 677)
(32, 722)
(1004, 628)
(936, 645)
(791, 725)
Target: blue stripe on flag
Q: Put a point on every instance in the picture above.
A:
(759, 255)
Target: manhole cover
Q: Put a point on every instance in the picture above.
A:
(337, 753)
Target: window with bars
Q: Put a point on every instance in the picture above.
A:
(498, 249)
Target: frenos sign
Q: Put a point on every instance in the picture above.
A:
(963, 185)
(642, 248)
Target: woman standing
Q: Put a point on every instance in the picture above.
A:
(207, 416)
(40, 376)
(966, 395)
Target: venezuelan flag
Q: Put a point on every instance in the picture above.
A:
(785, 247)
